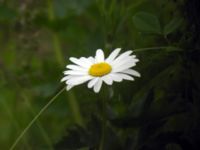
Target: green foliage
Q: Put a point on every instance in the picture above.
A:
(147, 22)
(7, 14)
(173, 25)
(160, 110)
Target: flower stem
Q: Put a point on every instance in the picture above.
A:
(43, 133)
(102, 142)
(57, 48)
(154, 48)
(25, 97)
(73, 104)
(34, 119)
(75, 108)
(56, 41)
(14, 120)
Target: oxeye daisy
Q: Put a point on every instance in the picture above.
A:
(98, 69)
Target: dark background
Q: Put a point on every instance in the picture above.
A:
(160, 110)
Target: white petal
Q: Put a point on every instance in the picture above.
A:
(79, 80)
(125, 76)
(92, 82)
(134, 56)
(116, 77)
(124, 66)
(75, 67)
(113, 55)
(107, 79)
(136, 60)
(79, 62)
(99, 56)
(73, 72)
(97, 86)
(116, 64)
(66, 78)
(132, 72)
(91, 59)
(86, 61)
(121, 57)
(69, 87)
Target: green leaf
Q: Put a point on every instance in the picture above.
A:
(172, 25)
(65, 8)
(173, 49)
(75, 139)
(145, 105)
(147, 22)
(7, 14)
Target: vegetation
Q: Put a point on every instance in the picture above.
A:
(160, 110)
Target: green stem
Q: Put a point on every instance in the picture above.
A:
(8, 110)
(102, 142)
(50, 9)
(57, 48)
(32, 111)
(75, 108)
(56, 41)
(152, 48)
(15, 122)
(35, 118)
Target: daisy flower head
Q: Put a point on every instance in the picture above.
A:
(98, 69)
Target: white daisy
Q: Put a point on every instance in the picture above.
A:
(97, 69)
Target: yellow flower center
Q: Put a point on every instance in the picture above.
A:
(100, 69)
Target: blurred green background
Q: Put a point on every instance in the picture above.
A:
(158, 111)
